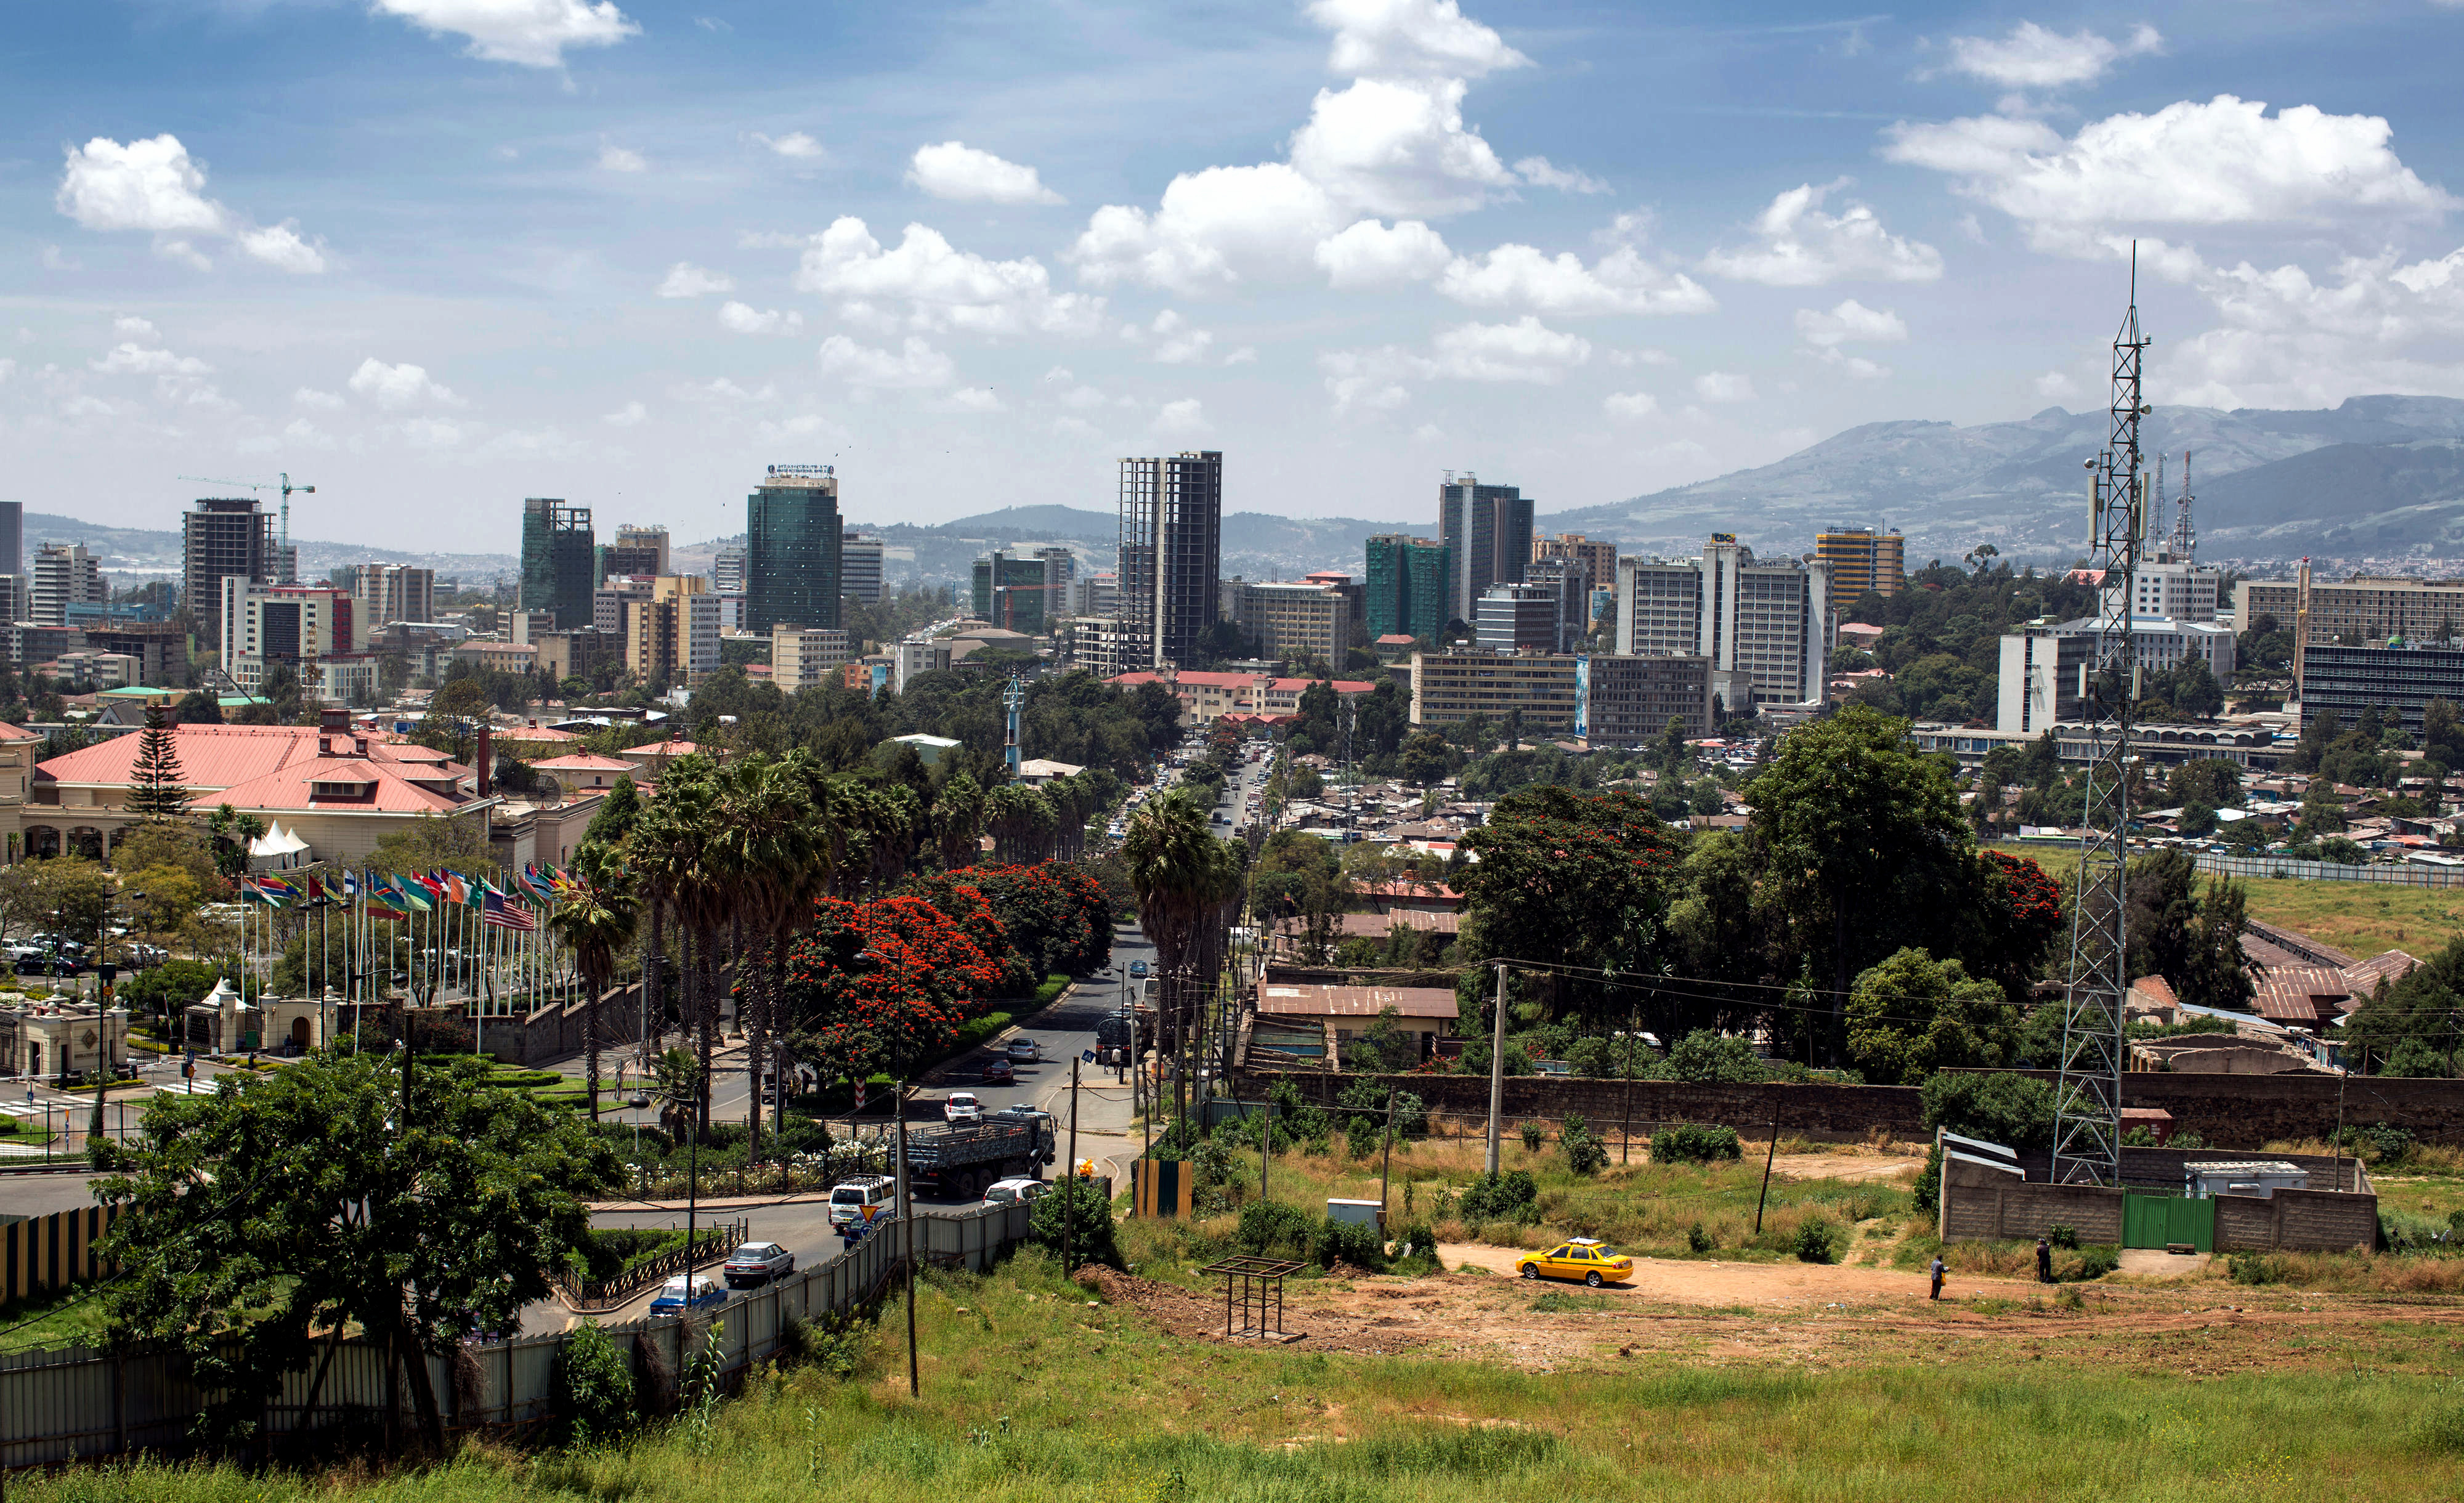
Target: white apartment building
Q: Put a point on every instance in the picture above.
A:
(2170, 592)
(1764, 623)
(65, 575)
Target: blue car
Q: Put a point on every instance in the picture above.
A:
(1137, 969)
(688, 1292)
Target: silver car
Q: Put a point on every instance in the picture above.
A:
(758, 1263)
(1024, 1051)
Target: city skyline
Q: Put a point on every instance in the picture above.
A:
(1358, 241)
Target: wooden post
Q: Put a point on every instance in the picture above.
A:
(1497, 1069)
(1387, 1162)
(1768, 1159)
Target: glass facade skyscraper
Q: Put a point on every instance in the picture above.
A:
(792, 540)
(559, 561)
(1406, 592)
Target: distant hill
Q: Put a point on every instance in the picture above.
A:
(141, 552)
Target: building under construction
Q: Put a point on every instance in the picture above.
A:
(1171, 550)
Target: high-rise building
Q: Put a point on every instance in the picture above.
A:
(1487, 533)
(2043, 677)
(1599, 557)
(16, 599)
(65, 575)
(383, 593)
(1290, 618)
(1520, 618)
(803, 657)
(1765, 625)
(560, 560)
(1172, 549)
(1862, 558)
(727, 572)
(12, 536)
(792, 538)
(1096, 595)
(612, 599)
(301, 625)
(860, 567)
(1567, 578)
(674, 631)
(1405, 594)
(2171, 591)
(1013, 593)
(223, 536)
(1629, 702)
(636, 550)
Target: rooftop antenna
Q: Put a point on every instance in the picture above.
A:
(2087, 1122)
(2185, 541)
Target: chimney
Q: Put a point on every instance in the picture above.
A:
(334, 720)
(487, 762)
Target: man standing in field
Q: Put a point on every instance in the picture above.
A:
(2044, 1260)
(1940, 1268)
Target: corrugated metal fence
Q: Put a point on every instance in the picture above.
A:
(2406, 875)
(45, 1254)
(81, 1404)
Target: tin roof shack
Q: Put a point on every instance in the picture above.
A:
(62, 1039)
(2258, 1178)
(1288, 1007)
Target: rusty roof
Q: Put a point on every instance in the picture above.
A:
(1309, 1000)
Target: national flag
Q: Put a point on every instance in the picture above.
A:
(350, 887)
(429, 883)
(454, 890)
(381, 895)
(413, 895)
(531, 884)
(315, 888)
(506, 914)
(273, 891)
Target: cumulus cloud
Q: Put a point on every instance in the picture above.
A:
(1185, 416)
(2227, 161)
(1389, 146)
(685, 279)
(128, 326)
(152, 185)
(130, 359)
(632, 414)
(1211, 230)
(1525, 350)
(1372, 379)
(1800, 246)
(738, 317)
(2054, 386)
(1370, 254)
(1849, 323)
(1720, 386)
(1411, 37)
(2032, 57)
(1621, 282)
(318, 401)
(2286, 337)
(942, 287)
(795, 146)
(1630, 406)
(975, 399)
(916, 364)
(613, 158)
(532, 34)
(956, 170)
(1175, 342)
(1538, 171)
(394, 387)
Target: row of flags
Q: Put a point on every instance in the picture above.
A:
(420, 892)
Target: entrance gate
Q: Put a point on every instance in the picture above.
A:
(2155, 1221)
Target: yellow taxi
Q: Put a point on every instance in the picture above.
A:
(1584, 1258)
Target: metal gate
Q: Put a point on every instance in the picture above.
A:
(2154, 1221)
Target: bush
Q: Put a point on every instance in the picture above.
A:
(1697, 1240)
(1350, 1241)
(594, 1386)
(1585, 1153)
(1079, 1207)
(1694, 1142)
(1512, 1196)
(2094, 1264)
(2061, 1236)
(2014, 1111)
(1417, 1241)
(2378, 1142)
(2256, 1268)
(1266, 1226)
(1704, 1057)
(1534, 1135)
(1929, 1183)
(1818, 1241)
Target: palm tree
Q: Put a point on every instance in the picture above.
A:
(670, 848)
(596, 916)
(959, 822)
(764, 841)
(1187, 882)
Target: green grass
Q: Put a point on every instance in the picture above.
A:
(1029, 1395)
(2360, 918)
(52, 1321)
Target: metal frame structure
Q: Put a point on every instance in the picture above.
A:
(2087, 1123)
(1259, 1302)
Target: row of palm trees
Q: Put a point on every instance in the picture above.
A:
(1188, 886)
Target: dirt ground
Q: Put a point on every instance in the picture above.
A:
(1845, 1166)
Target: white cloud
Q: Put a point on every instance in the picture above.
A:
(1411, 37)
(8, 368)
(1720, 386)
(1246, 355)
(632, 414)
(531, 33)
(1621, 282)
(1539, 173)
(131, 327)
(318, 401)
(1388, 146)
(917, 365)
(1185, 416)
(738, 317)
(54, 259)
(1367, 256)
(975, 399)
(1526, 350)
(2226, 162)
(131, 359)
(795, 146)
(720, 391)
(393, 388)
(2032, 57)
(2286, 337)
(1176, 343)
(153, 185)
(1630, 406)
(1626, 359)
(280, 246)
(432, 433)
(1370, 378)
(1849, 323)
(613, 158)
(2054, 386)
(685, 279)
(943, 288)
(1803, 247)
(1212, 228)
(957, 170)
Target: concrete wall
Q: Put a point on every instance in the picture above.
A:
(1989, 1207)
(556, 1032)
(2297, 1221)
(2248, 1111)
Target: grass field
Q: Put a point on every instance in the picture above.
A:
(2358, 918)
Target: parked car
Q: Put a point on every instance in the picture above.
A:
(1026, 1051)
(1009, 1192)
(758, 1263)
(997, 1072)
(962, 1107)
(1585, 1258)
(688, 1292)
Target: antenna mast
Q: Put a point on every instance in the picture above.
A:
(2185, 541)
(2087, 1122)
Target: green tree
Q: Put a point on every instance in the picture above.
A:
(1187, 886)
(155, 791)
(199, 708)
(64, 895)
(2215, 969)
(617, 813)
(2163, 919)
(1566, 877)
(595, 916)
(430, 842)
(233, 833)
(327, 1194)
(1913, 1015)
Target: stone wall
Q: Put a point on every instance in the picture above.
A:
(556, 1032)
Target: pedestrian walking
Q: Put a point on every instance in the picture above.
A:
(2044, 1260)
(1940, 1268)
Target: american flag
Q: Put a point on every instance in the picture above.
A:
(506, 914)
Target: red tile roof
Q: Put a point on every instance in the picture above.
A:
(583, 761)
(663, 749)
(12, 733)
(273, 767)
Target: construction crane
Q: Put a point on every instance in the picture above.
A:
(280, 482)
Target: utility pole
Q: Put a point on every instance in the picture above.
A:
(1388, 1164)
(1497, 1069)
(1069, 1180)
(906, 1225)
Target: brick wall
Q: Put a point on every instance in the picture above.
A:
(1846, 1112)
(2249, 1110)
(2002, 1208)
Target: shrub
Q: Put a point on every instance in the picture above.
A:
(2378, 1142)
(1501, 1196)
(2256, 1268)
(594, 1384)
(2014, 1111)
(1697, 1240)
(1707, 1058)
(1350, 1242)
(2070, 1298)
(1534, 1135)
(1694, 1142)
(1929, 1183)
(1585, 1153)
(2061, 1236)
(1416, 1241)
(1266, 1226)
(1817, 1240)
(1078, 1207)
(2095, 1264)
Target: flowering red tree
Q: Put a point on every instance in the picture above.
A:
(2020, 910)
(882, 986)
(1054, 914)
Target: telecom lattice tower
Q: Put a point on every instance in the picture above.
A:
(2087, 1123)
(1013, 699)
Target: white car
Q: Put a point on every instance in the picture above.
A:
(1009, 1192)
(962, 1107)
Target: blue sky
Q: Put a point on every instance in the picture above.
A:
(439, 255)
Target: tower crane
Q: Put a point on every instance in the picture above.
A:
(280, 482)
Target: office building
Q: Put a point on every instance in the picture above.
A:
(1519, 618)
(1095, 595)
(1170, 549)
(2042, 682)
(159, 648)
(221, 538)
(808, 657)
(1012, 593)
(560, 560)
(1862, 558)
(12, 536)
(615, 596)
(1449, 688)
(2362, 608)
(727, 572)
(1405, 590)
(1629, 702)
(17, 598)
(1569, 580)
(2398, 681)
(300, 625)
(915, 658)
(1487, 530)
(673, 632)
(65, 574)
(2160, 645)
(1292, 618)
(792, 537)
(1765, 625)
(859, 568)
(1105, 646)
(388, 592)
(579, 653)
(1598, 558)
(636, 550)
(2169, 591)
